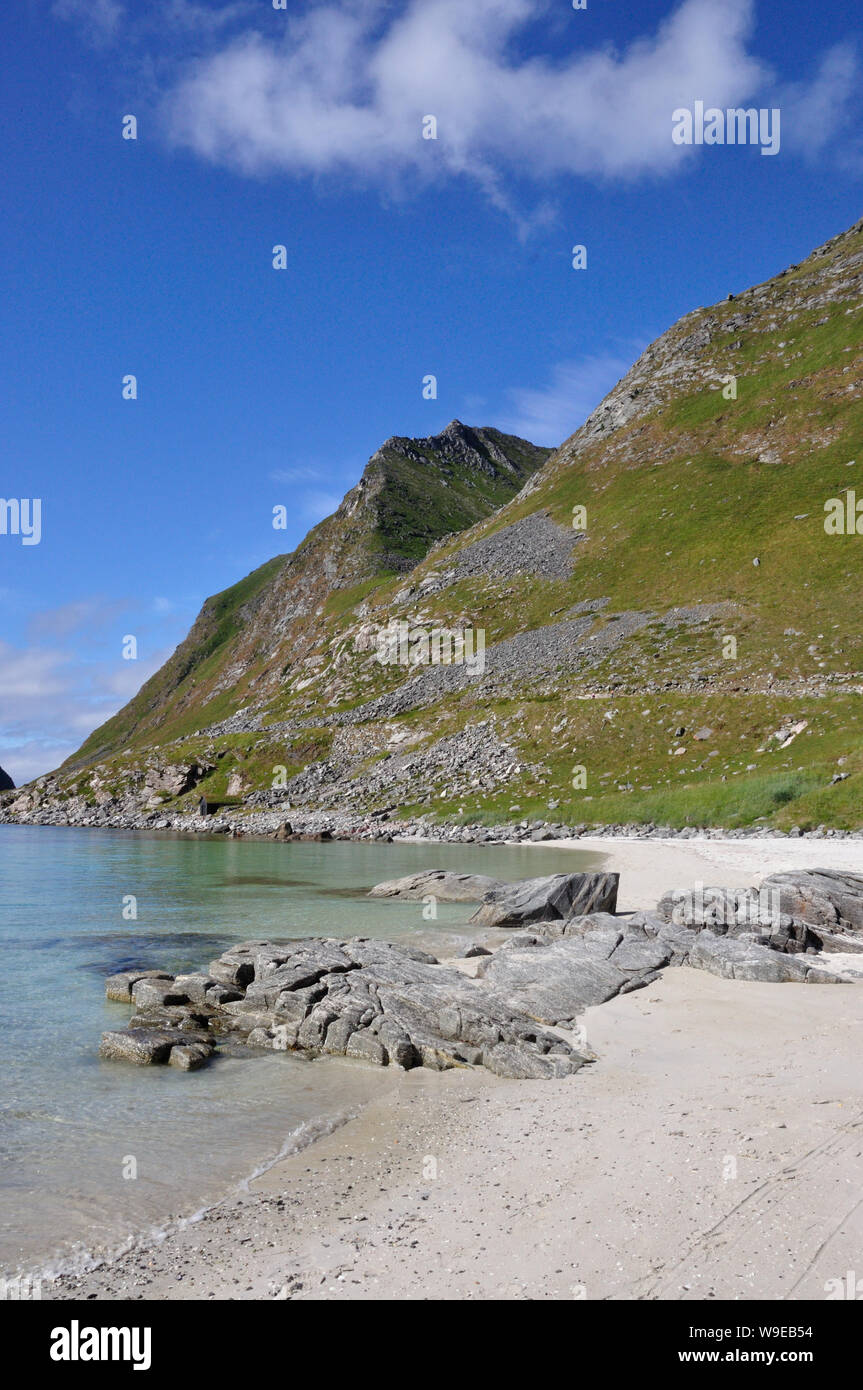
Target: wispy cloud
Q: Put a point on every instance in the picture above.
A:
(80, 615)
(47, 688)
(303, 472)
(550, 414)
(311, 502)
(817, 112)
(205, 19)
(316, 505)
(108, 21)
(100, 19)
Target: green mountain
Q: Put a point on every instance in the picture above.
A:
(670, 607)
(249, 641)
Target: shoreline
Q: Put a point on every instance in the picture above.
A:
(745, 1184)
(318, 824)
(423, 1192)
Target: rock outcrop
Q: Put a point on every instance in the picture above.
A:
(556, 977)
(384, 1003)
(560, 969)
(828, 902)
(366, 999)
(555, 897)
(800, 911)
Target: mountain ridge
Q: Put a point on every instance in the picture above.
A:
(690, 642)
(252, 623)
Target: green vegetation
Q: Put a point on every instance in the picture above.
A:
(696, 500)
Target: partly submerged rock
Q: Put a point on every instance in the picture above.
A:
(438, 883)
(143, 1046)
(119, 987)
(147, 1046)
(189, 1056)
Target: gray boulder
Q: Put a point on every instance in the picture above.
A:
(201, 988)
(828, 902)
(119, 987)
(795, 912)
(735, 958)
(152, 992)
(556, 897)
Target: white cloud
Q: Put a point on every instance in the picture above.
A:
(347, 87)
(29, 675)
(44, 688)
(31, 759)
(551, 413)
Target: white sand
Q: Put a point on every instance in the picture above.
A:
(714, 1150)
(649, 867)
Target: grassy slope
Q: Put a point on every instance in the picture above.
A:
(680, 503)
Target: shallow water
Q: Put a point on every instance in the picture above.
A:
(72, 1128)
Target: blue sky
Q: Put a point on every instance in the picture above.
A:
(406, 256)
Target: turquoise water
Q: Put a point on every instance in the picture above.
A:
(70, 1123)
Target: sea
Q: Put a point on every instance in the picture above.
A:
(95, 1155)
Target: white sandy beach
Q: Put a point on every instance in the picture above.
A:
(714, 1150)
(648, 868)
